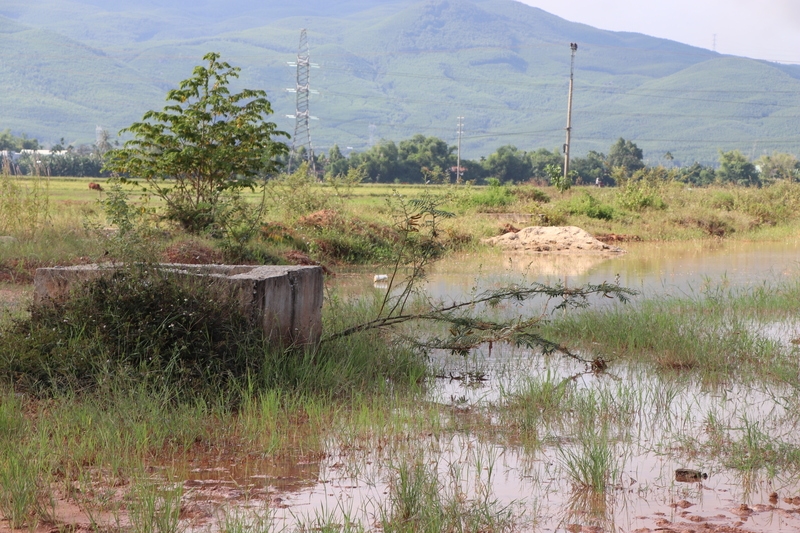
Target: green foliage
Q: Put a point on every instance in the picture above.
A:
(15, 144)
(168, 329)
(422, 500)
(532, 194)
(735, 168)
(625, 154)
(591, 465)
(588, 169)
(489, 198)
(333, 236)
(207, 141)
(588, 205)
(24, 205)
(778, 166)
(508, 163)
(696, 174)
(558, 179)
(297, 194)
(67, 163)
(643, 189)
(135, 238)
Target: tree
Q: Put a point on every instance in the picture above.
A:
(542, 158)
(420, 152)
(508, 164)
(778, 166)
(625, 154)
(696, 174)
(337, 163)
(734, 167)
(589, 168)
(205, 142)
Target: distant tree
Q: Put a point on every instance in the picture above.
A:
(102, 144)
(382, 163)
(206, 141)
(508, 164)
(625, 154)
(542, 158)
(778, 166)
(589, 168)
(420, 152)
(14, 143)
(734, 167)
(337, 163)
(697, 175)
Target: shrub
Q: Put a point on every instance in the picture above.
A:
(588, 205)
(492, 197)
(169, 329)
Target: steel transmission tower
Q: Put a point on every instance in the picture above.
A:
(302, 131)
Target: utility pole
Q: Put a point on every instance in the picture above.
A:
(302, 131)
(574, 48)
(458, 163)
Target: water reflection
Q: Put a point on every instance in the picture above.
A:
(659, 422)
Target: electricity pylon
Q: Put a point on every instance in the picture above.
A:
(302, 131)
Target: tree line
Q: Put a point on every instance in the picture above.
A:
(23, 156)
(421, 158)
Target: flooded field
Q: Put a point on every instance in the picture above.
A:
(506, 439)
(538, 443)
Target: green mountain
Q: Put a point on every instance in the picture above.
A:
(390, 69)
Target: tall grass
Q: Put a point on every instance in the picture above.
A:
(422, 500)
(717, 334)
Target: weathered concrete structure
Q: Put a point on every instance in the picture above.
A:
(286, 301)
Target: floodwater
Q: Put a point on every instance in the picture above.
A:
(658, 423)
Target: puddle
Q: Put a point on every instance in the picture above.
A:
(649, 425)
(657, 424)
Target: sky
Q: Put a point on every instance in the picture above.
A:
(761, 29)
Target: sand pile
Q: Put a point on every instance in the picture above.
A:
(568, 239)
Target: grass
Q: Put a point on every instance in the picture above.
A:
(718, 333)
(359, 227)
(104, 394)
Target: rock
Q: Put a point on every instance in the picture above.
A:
(687, 475)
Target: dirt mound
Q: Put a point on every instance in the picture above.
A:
(192, 253)
(565, 239)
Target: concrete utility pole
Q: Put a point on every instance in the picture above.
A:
(458, 163)
(574, 48)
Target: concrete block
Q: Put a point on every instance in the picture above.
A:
(285, 301)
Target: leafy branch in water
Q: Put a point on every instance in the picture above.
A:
(466, 331)
(418, 223)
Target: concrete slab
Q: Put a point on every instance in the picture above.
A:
(285, 301)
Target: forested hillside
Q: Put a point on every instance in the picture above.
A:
(394, 69)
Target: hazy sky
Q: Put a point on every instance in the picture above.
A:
(763, 29)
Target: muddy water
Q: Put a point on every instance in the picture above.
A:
(660, 424)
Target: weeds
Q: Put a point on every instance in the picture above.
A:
(420, 501)
(24, 205)
(591, 464)
(155, 507)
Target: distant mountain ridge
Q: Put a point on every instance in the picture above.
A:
(390, 69)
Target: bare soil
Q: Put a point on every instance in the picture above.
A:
(563, 239)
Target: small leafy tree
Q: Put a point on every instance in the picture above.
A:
(557, 178)
(205, 142)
